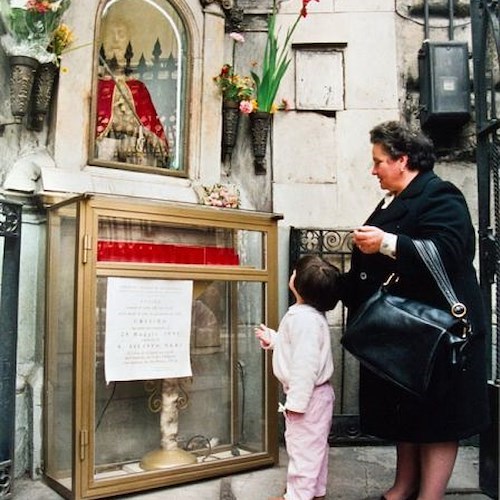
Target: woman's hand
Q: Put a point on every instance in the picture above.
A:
(368, 239)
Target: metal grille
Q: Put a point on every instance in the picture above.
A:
(486, 61)
(10, 220)
(335, 246)
(495, 166)
(10, 234)
(6, 479)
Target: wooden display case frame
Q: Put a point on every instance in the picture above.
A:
(87, 210)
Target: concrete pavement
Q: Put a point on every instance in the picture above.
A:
(356, 473)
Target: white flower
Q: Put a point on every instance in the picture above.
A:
(54, 6)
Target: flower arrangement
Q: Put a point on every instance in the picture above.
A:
(251, 105)
(62, 38)
(275, 63)
(233, 87)
(31, 26)
(220, 195)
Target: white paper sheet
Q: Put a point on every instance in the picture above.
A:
(148, 327)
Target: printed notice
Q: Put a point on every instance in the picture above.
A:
(148, 326)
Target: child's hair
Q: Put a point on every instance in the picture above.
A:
(317, 282)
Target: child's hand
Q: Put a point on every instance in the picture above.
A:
(263, 335)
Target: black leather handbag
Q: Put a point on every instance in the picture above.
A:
(399, 338)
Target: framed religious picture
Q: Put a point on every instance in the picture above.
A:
(139, 88)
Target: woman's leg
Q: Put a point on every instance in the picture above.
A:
(407, 472)
(437, 461)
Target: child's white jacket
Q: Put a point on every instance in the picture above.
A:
(302, 354)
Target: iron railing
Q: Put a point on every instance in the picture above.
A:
(486, 62)
(10, 243)
(335, 246)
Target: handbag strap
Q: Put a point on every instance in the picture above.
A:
(430, 255)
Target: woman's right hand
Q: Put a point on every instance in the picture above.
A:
(368, 238)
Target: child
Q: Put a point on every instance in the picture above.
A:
(302, 362)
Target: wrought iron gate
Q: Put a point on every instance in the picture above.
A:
(10, 242)
(486, 61)
(335, 246)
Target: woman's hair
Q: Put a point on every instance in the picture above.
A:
(398, 140)
(317, 282)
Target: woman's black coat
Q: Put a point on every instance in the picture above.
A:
(429, 208)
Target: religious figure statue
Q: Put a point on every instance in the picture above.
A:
(128, 128)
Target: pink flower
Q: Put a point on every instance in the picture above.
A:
(285, 105)
(246, 107)
(237, 37)
(220, 195)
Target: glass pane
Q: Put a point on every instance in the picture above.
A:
(216, 414)
(141, 96)
(60, 335)
(251, 245)
(250, 357)
(127, 240)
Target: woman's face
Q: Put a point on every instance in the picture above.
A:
(392, 174)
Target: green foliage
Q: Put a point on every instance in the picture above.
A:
(274, 65)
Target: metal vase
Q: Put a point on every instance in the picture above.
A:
(260, 124)
(22, 76)
(230, 121)
(41, 95)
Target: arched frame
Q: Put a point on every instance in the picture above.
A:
(77, 171)
(141, 84)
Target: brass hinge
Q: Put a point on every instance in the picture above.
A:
(84, 441)
(87, 247)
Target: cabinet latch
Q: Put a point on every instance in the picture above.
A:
(87, 247)
(84, 441)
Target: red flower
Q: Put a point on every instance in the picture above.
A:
(303, 11)
(38, 6)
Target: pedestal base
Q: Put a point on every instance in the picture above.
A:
(162, 459)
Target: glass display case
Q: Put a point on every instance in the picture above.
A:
(153, 375)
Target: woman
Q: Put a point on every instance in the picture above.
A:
(419, 205)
